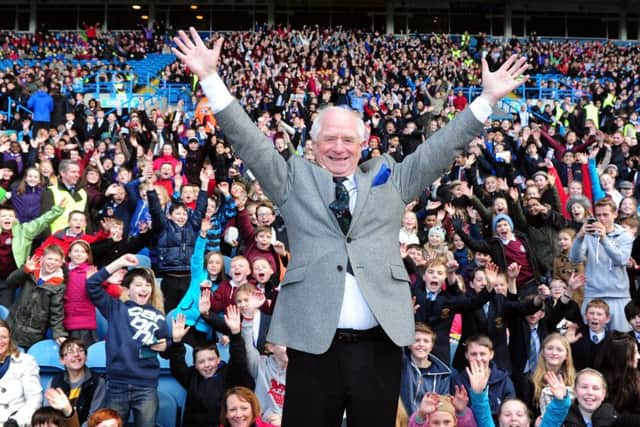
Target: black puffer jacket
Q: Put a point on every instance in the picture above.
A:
(605, 416)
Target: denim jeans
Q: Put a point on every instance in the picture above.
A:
(143, 401)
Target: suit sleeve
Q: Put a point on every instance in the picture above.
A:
(433, 157)
(256, 151)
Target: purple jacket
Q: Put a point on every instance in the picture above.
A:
(27, 204)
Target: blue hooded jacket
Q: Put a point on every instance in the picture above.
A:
(41, 103)
(414, 383)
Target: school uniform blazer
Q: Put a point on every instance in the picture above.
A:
(308, 308)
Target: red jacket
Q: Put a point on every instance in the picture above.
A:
(62, 239)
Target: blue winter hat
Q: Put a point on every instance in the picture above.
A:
(502, 217)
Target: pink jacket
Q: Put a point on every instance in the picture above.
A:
(79, 311)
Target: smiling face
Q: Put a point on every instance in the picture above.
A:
(503, 230)
(263, 240)
(240, 270)
(239, 413)
(78, 254)
(422, 347)
(513, 413)
(207, 363)
(140, 290)
(179, 215)
(32, 178)
(554, 354)
(337, 147)
(590, 391)
(74, 358)
(409, 221)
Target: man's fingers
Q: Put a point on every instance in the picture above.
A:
(521, 70)
(507, 64)
(186, 39)
(485, 67)
(178, 54)
(182, 48)
(196, 37)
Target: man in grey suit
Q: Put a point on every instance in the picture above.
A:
(344, 310)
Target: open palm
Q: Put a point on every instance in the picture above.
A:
(500, 83)
(192, 51)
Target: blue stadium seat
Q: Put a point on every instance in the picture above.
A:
(167, 385)
(224, 352)
(45, 379)
(97, 357)
(102, 325)
(168, 414)
(4, 312)
(46, 354)
(167, 411)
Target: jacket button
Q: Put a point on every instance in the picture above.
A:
(348, 239)
(340, 267)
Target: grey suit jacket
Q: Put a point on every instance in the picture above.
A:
(306, 314)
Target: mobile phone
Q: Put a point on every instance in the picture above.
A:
(591, 220)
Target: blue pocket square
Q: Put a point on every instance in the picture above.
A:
(382, 176)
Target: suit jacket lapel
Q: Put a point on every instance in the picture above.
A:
(326, 190)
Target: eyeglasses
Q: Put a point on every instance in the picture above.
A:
(73, 352)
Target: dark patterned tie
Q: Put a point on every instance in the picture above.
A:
(340, 206)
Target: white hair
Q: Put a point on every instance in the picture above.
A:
(316, 127)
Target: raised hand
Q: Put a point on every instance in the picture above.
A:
(205, 225)
(127, 260)
(192, 51)
(179, 328)
(491, 270)
(224, 188)
(572, 334)
(59, 400)
(576, 281)
(232, 319)
(279, 248)
(32, 263)
(428, 405)
(204, 303)
(556, 385)
(500, 83)
(478, 376)
(513, 270)
(460, 399)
